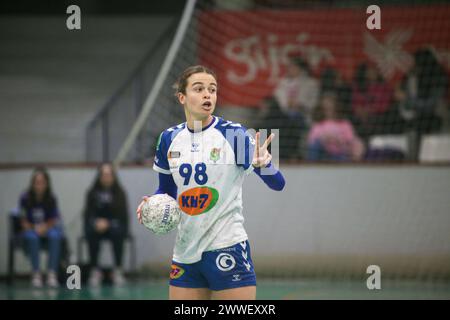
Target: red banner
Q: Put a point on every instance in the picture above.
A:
(249, 49)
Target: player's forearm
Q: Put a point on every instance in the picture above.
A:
(167, 185)
(272, 177)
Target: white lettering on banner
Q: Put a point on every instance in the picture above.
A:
(263, 52)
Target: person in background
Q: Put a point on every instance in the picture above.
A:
(270, 116)
(371, 101)
(331, 137)
(298, 91)
(106, 217)
(40, 219)
(331, 80)
(296, 95)
(422, 93)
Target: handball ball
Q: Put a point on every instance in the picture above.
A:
(161, 213)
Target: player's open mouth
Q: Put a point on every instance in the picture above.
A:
(207, 105)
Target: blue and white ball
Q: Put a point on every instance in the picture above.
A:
(161, 213)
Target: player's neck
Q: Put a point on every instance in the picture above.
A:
(192, 123)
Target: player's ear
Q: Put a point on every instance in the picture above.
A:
(181, 98)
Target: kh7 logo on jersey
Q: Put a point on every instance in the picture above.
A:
(198, 200)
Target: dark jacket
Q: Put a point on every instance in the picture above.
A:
(106, 203)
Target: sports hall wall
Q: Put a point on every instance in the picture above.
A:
(328, 220)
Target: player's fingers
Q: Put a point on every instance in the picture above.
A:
(258, 162)
(264, 157)
(139, 207)
(268, 141)
(258, 136)
(144, 199)
(268, 159)
(139, 212)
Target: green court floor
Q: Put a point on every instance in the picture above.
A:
(267, 289)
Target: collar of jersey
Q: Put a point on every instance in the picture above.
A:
(204, 128)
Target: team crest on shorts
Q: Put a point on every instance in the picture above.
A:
(225, 262)
(215, 154)
(176, 272)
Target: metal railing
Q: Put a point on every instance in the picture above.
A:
(108, 128)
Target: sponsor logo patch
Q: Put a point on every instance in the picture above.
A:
(198, 200)
(236, 277)
(174, 154)
(176, 272)
(195, 147)
(215, 154)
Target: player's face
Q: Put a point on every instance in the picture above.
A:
(106, 177)
(39, 184)
(328, 107)
(293, 70)
(201, 96)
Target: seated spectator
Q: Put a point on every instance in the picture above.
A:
(371, 101)
(271, 117)
(422, 92)
(298, 91)
(331, 137)
(331, 81)
(296, 96)
(40, 219)
(106, 217)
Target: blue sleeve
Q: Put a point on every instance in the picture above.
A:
(161, 164)
(167, 185)
(273, 179)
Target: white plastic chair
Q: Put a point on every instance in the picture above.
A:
(435, 148)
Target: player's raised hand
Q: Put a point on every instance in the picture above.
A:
(261, 156)
(139, 208)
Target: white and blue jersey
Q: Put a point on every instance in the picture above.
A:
(208, 168)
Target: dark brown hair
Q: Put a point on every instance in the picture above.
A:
(318, 114)
(48, 200)
(181, 83)
(97, 185)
